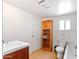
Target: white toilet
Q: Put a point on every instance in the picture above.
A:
(59, 51)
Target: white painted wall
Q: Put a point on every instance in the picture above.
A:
(70, 36)
(19, 25)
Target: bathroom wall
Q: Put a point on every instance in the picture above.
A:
(66, 35)
(71, 35)
(20, 25)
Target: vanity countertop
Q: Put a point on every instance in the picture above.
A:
(13, 46)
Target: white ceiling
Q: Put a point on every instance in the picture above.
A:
(52, 7)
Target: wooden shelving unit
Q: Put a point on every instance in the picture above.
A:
(47, 30)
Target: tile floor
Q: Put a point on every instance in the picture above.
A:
(41, 54)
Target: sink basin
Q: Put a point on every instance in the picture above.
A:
(13, 46)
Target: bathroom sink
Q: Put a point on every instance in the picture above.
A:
(13, 46)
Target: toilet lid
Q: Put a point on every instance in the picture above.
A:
(59, 48)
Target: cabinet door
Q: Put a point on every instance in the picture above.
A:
(9, 56)
(22, 54)
(46, 25)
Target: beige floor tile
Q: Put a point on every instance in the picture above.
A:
(41, 54)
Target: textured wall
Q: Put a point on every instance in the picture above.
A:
(20, 25)
(71, 35)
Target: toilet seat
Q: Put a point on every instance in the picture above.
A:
(59, 48)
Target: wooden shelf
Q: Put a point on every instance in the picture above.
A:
(46, 38)
(47, 35)
(46, 49)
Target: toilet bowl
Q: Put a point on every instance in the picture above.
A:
(59, 51)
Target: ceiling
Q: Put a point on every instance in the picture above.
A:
(46, 8)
